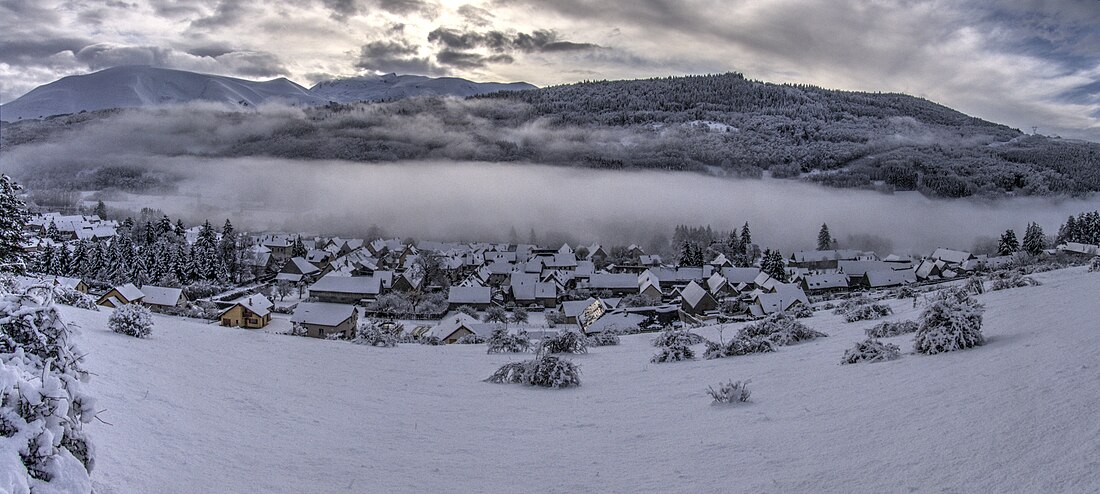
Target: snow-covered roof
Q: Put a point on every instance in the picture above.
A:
(607, 322)
(469, 295)
(826, 281)
(453, 322)
(951, 256)
(160, 295)
(258, 304)
(693, 293)
(322, 314)
(368, 285)
(736, 275)
(879, 279)
(608, 281)
(130, 292)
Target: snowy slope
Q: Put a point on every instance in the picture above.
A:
(392, 86)
(136, 86)
(200, 408)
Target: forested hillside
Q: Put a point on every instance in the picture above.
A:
(720, 124)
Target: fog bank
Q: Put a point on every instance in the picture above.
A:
(485, 201)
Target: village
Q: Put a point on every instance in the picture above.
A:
(442, 293)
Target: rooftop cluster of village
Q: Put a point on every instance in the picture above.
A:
(450, 290)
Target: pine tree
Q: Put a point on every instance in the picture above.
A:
(824, 238)
(79, 260)
(1008, 244)
(13, 218)
(773, 264)
(164, 226)
(1034, 240)
(228, 250)
(181, 232)
(299, 248)
(100, 210)
(1067, 232)
(53, 233)
(64, 261)
(746, 240)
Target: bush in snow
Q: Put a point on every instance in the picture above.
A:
(671, 337)
(466, 309)
(905, 292)
(545, 370)
(674, 352)
(430, 340)
(871, 350)
(603, 339)
(975, 285)
(67, 296)
(519, 315)
(1094, 265)
(369, 333)
(953, 321)
(1014, 281)
(567, 341)
(802, 311)
(730, 392)
(42, 406)
(501, 341)
(738, 346)
(887, 329)
(867, 312)
(471, 339)
(851, 303)
(780, 329)
(131, 319)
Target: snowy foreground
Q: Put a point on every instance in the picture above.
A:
(201, 408)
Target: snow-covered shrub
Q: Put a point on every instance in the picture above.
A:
(370, 333)
(42, 405)
(1094, 265)
(975, 285)
(1014, 281)
(501, 341)
(671, 336)
(545, 370)
(780, 329)
(131, 319)
(871, 350)
(802, 311)
(850, 303)
(471, 339)
(953, 321)
(887, 329)
(738, 346)
(603, 339)
(867, 312)
(466, 309)
(730, 392)
(430, 340)
(674, 352)
(567, 341)
(905, 292)
(67, 296)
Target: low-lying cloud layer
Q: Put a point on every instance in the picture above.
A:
(482, 201)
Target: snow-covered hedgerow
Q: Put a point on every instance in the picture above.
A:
(677, 337)
(730, 392)
(67, 296)
(845, 305)
(430, 340)
(43, 446)
(953, 321)
(780, 329)
(738, 346)
(603, 339)
(871, 350)
(867, 312)
(803, 311)
(674, 352)
(545, 370)
(567, 341)
(131, 319)
(1094, 265)
(887, 329)
(369, 333)
(975, 285)
(1014, 281)
(471, 339)
(501, 341)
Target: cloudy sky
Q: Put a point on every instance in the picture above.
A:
(1024, 63)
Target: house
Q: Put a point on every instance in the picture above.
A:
(651, 289)
(952, 257)
(298, 270)
(320, 319)
(785, 298)
(162, 297)
(1080, 249)
(888, 278)
(252, 312)
(121, 295)
(696, 300)
(582, 312)
(825, 283)
(618, 284)
(454, 326)
(618, 322)
(337, 289)
(478, 297)
(76, 284)
(409, 281)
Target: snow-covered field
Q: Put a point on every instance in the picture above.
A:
(201, 408)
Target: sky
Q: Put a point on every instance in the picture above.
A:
(1025, 63)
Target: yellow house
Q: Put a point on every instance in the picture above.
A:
(253, 312)
(121, 295)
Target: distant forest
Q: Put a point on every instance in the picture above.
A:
(719, 124)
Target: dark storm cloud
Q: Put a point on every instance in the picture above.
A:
(227, 14)
(475, 15)
(467, 60)
(540, 40)
(20, 50)
(342, 9)
(252, 64)
(398, 56)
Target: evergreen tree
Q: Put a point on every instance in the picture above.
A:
(208, 238)
(229, 252)
(746, 239)
(1034, 240)
(64, 261)
(181, 232)
(299, 248)
(824, 238)
(79, 260)
(1008, 244)
(733, 244)
(100, 210)
(774, 265)
(164, 226)
(13, 218)
(53, 233)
